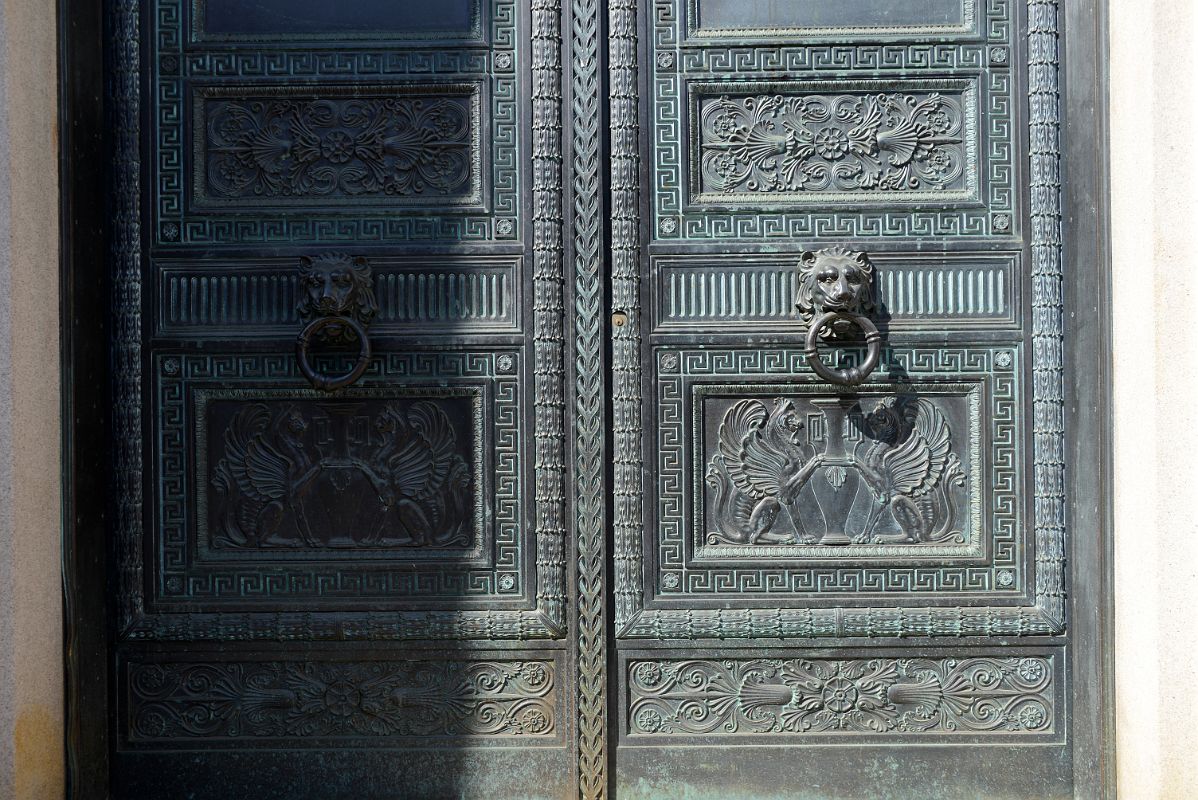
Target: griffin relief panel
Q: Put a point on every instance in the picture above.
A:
(375, 474)
(368, 495)
(771, 486)
(796, 469)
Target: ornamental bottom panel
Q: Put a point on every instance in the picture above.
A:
(305, 702)
(881, 695)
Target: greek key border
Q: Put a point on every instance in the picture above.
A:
(969, 374)
(178, 579)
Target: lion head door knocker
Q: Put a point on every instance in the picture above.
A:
(836, 294)
(336, 293)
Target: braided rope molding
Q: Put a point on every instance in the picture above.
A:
(548, 618)
(589, 512)
(1047, 615)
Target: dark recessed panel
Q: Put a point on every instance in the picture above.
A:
(765, 17)
(275, 19)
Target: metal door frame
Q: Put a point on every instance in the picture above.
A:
(85, 303)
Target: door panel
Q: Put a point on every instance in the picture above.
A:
(802, 558)
(340, 431)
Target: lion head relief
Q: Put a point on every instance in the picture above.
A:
(835, 279)
(334, 284)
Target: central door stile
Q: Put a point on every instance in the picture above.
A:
(589, 504)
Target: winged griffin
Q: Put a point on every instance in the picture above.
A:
(759, 470)
(909, 465)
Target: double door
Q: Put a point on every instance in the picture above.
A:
(651, 399)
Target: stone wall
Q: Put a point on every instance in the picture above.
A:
(1154, 172)
(31, 715)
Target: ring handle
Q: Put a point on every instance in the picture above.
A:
(304, 341)
(852, 375)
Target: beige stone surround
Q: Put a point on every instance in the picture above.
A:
(31, 707)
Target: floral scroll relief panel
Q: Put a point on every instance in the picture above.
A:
(407, 144)
(784, 144)
(746, 697)
(306, 702)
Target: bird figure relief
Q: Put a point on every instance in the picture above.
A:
(424, 482)
(758, 471)
(263, 471)
(908, 464)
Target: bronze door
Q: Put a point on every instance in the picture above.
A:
(641, 398)
(341, 540)
(837, 367)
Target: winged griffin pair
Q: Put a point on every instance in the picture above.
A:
(883, 475)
